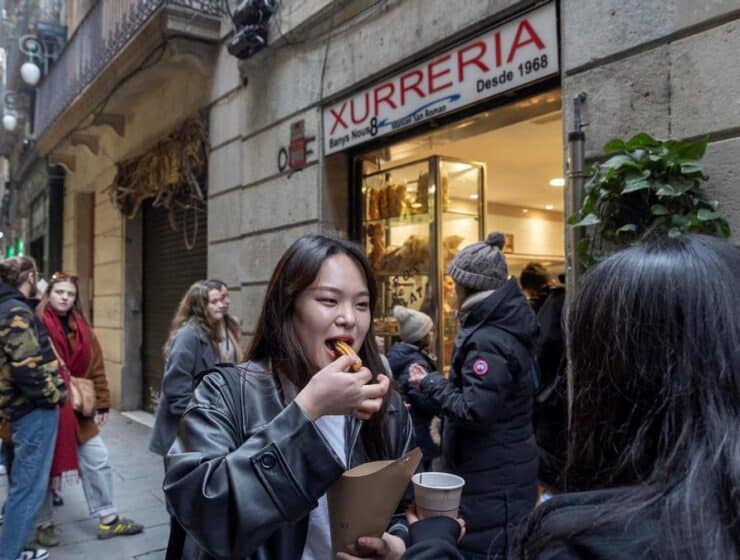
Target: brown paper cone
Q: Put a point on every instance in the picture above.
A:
(363, 500)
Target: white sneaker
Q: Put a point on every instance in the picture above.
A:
(2, 470)
(34, 554)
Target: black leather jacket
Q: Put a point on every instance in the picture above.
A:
(247, 468)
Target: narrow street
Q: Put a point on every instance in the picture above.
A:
(138, 494)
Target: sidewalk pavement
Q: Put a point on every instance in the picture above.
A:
(137, 481)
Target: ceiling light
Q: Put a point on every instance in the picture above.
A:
(525, 210)
(474, 196)
(549, 206)
(557, 182)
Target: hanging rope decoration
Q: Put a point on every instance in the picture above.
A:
(171, 173)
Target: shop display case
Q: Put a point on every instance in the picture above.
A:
(416, 217)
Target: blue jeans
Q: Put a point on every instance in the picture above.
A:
(97, 481)
(33, 437)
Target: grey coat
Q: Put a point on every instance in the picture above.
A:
(190, 354)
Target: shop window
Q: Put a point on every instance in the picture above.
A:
(427, 197)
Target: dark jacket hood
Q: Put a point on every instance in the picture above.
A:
(508, 310)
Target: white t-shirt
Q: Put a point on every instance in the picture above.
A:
(318, 539)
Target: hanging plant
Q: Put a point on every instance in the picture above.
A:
(647, 186)
(171, 173)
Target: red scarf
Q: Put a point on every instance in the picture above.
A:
(73, 361)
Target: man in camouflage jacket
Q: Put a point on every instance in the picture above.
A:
(30, 391)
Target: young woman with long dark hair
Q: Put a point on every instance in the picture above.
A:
(262, 442)
(654, 451)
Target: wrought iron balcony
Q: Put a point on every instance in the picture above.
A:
(107, 30)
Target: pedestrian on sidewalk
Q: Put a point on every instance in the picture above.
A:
(229, 347)
(79, 446)
(486, 403)
(262, 442)
(192, 346)
(30, 392)
(417, 340)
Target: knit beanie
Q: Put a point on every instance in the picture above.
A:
(481, 266)
(413, 325)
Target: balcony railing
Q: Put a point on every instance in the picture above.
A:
(104, 31)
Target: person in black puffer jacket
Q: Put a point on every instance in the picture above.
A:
(417, 337)
(487, 402)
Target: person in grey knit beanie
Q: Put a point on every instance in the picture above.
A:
(413, 325)
(481, 266)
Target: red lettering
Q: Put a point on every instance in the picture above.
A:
(387, 98)
(434, 75)
(518, 43)
(338, 117)
(405, 87)
(497, 48)
(476, 60)
(355, 120)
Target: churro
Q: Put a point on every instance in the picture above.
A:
(346, 350)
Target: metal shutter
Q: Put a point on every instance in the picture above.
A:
(169, 270)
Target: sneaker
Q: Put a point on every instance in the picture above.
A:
(57, 500)
(46, 535)
(33, 554)
(121, 526)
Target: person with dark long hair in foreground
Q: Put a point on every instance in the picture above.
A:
(654, 451)
(261, 442)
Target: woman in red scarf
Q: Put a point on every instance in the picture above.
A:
(79, 448)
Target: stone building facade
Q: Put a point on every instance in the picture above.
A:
(667, 68)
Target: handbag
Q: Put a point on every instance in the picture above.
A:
(81, 389)
(83, 395)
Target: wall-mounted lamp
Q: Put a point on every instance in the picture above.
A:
(37, 50)
(9, 122)
(10, 110)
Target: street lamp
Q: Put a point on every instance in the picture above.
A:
(35, 49)
(10, 120)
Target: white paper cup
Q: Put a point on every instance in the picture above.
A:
(437, 493)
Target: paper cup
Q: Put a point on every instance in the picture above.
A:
(437, 493)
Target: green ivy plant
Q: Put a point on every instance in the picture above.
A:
(646, 186)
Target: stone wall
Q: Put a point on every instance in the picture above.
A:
(256, 211)
(667, 68)
(108, 289)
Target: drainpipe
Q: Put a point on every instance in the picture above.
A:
(573, 201)
(574, 196)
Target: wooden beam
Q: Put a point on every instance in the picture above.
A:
(116, 122)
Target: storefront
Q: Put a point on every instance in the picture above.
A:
(466, 142)
(40, 194)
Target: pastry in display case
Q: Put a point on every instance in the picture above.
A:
(411, 232)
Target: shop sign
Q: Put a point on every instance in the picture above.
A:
(295, 156)
(512, 55)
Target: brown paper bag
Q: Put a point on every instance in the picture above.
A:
(363, 500)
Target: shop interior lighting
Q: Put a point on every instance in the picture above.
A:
(525, 210)
(549, 206)
(557, 182)
(474, 196)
